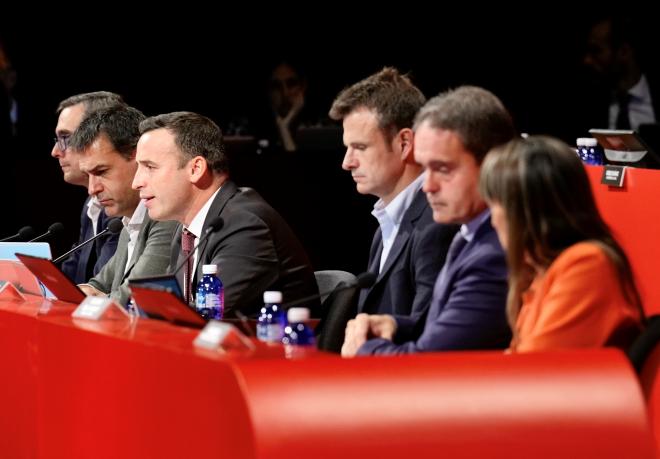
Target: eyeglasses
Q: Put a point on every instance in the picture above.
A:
(62, 141)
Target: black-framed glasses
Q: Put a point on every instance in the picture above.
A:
(62, 141)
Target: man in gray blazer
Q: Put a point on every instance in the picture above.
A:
(453, 133)
(182, 175)
(408, 248)
(106, 142)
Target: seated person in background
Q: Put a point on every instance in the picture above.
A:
(453, 133)
(409, 248)
(87, 261)
(183, 176)
(570, 283)
(287, 98)
(106, 142)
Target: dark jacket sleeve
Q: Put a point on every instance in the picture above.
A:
(472, 317)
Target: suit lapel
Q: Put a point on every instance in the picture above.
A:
(442, 291)
(139, 244)
(227, 191)
(410, 217)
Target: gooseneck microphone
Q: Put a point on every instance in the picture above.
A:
(55, 228)
(364, 280)
(114, 226)
(25, 233)
(214, 225)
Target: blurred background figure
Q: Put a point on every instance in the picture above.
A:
(286, 90)
(8, 103)
(570, 282)
(616, 59)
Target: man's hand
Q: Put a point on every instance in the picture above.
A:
(366, 326)
(90, 291)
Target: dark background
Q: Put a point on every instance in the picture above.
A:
(220, 69)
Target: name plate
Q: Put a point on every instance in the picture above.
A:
(613, 175)
(222, 336)
(98, 307)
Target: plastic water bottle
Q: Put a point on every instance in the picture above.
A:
(595, 154)
(582, 151)
(589, 151)
(271, 322)
(210, 299)
(297, 332)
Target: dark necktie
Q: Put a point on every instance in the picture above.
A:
(187, 246)
(623, 118)
(457, 244)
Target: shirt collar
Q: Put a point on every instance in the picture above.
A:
(469, 229)
(397, 207)
(137, 218)
(197, 223)
(641, 90)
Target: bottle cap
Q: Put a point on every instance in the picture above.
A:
(272, 297)
(209, 269)
(295, 315)
(581, 141)
(590, 142)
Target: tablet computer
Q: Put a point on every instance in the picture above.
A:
(53, 278)
(621, 145)
(162, 282)
(160, 302)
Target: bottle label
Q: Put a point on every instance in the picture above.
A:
(270, 332)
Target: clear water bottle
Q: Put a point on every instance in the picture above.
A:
(590, 152)
(297, 332)
(581, 150)
(210, 299)
(271, 322)
(595, 154)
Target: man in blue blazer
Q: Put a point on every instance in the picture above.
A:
(453, 133)
(86, 262)
(408, 248)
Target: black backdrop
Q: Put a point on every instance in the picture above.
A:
(219, 68)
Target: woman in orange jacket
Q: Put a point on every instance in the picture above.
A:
(570, 283)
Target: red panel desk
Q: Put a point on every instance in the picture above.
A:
(80, 389)
(633, 213)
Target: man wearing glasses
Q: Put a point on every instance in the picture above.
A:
(87, 261)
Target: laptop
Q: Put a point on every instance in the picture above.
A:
(162, 303)
(8, 251)
(53, 278)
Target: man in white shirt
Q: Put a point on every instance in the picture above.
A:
(408, 248)
(106, 142)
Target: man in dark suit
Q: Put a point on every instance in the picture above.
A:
(615, 56)
(182, 175)
(86, 262)
(453, 133)
(408, 248)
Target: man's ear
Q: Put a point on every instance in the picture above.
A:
(197, 167)
(406, 142)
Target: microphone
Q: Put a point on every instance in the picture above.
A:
(364, 280)
(55, 228)
(25, 233)
(114, 226)
(214, 225)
